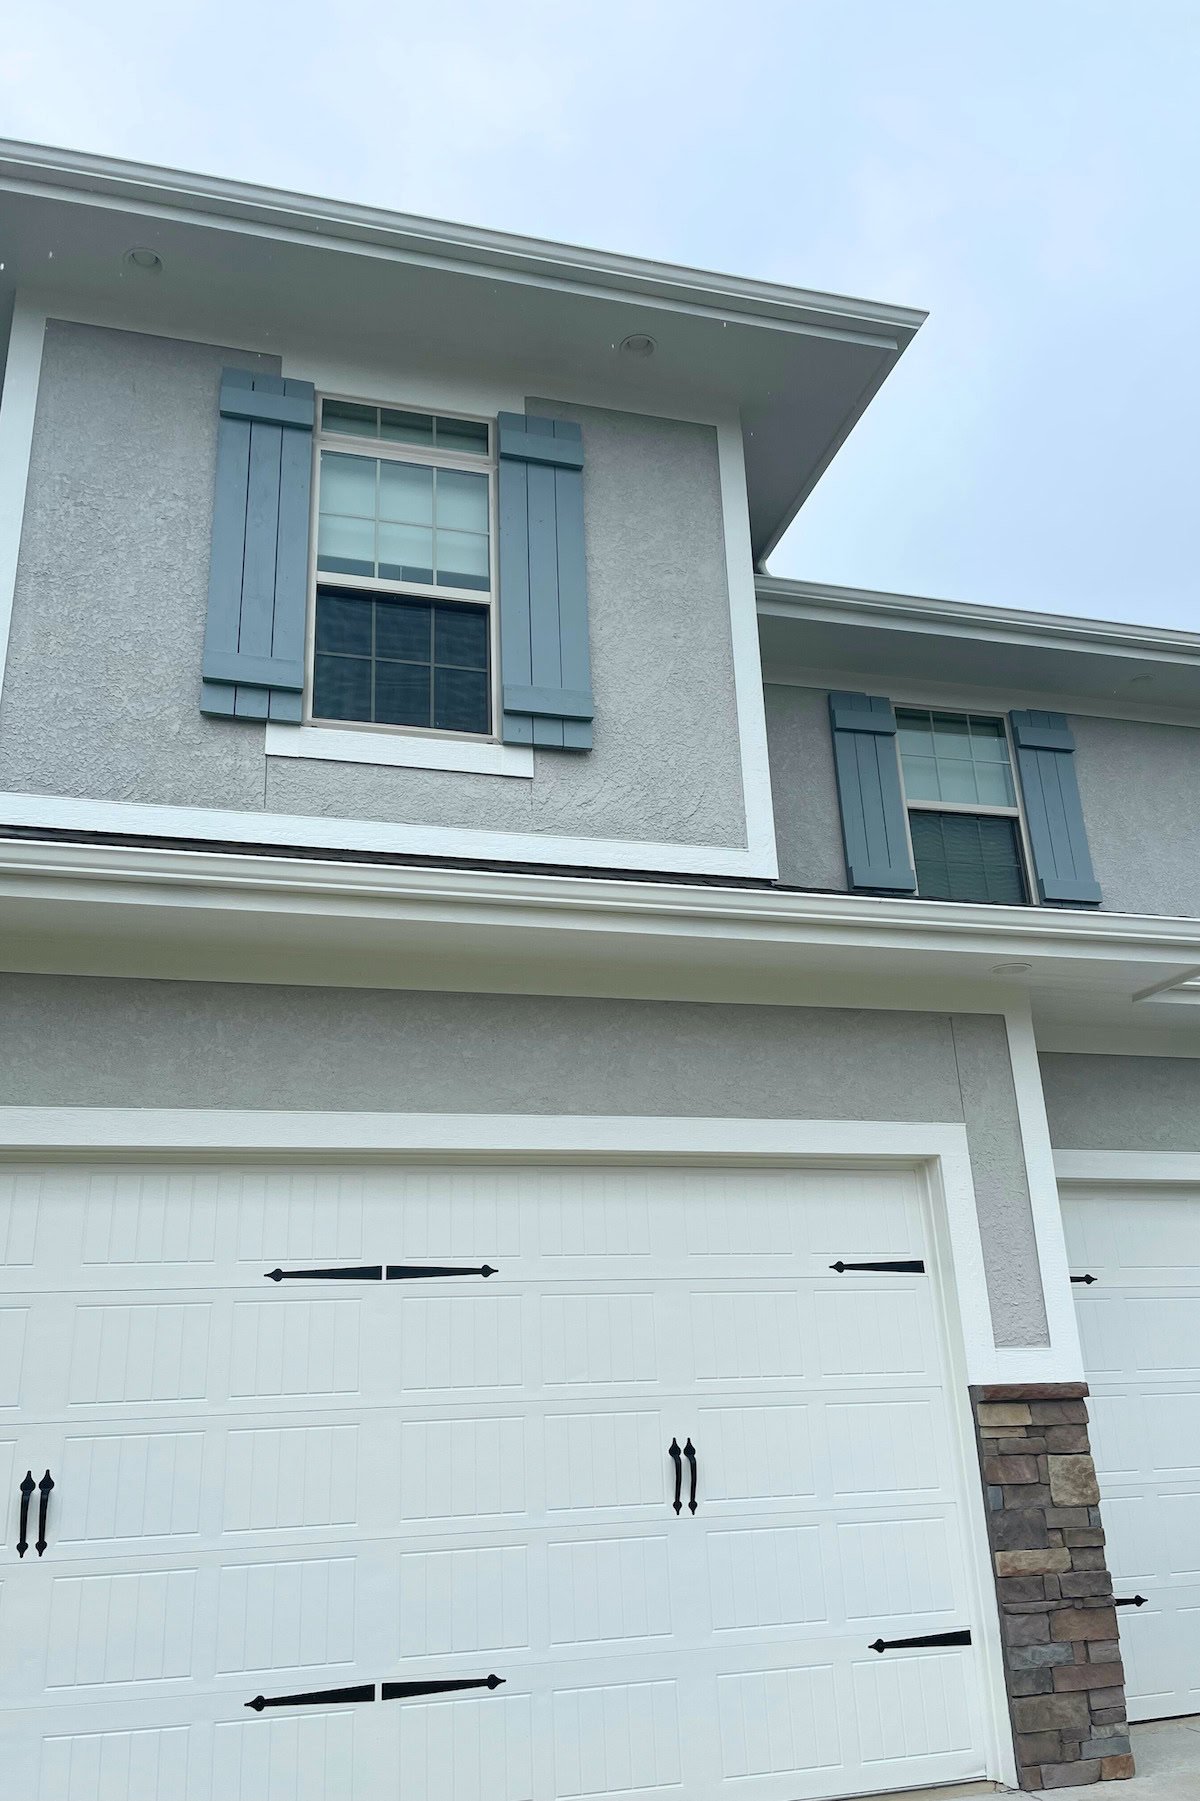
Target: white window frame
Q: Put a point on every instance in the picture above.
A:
(379, 449)
(976, 808)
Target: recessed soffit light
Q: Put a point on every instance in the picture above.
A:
(1011, 969)
(142, 257)
(638, 343)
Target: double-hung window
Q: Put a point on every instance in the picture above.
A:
(403, 612)
(963, 816)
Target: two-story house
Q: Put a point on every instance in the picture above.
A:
(578, 1120)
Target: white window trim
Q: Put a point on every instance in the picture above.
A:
(977, 808)
(433, 740)
(393, 748)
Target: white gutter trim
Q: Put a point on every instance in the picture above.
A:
(780, 598)
(67, 173)
(138, 876)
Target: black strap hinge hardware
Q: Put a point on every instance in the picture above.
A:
(912, 1644)
(366, 1691)
(912, 1267)
(1086, 1280)
(375, 1272)
(1131, 1600)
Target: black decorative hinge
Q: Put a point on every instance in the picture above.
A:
(910, 1644)
(912, 1268)
(1131, 1600)
(366, 1691)
(1086, 1280)
(375, 1272)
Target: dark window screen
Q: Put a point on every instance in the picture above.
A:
(393, 661)
(967, 857)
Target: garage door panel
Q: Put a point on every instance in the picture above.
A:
(473, 1750)
(778, 1722)
(14, 1323)
(886, 1447)
(892, 1569)
(457, 1600)
(919, 1704)
(608, 1589)
(616, 1738)
(1140, 1329)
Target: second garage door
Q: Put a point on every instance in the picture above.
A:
(332, 1449)
(1139, 1320)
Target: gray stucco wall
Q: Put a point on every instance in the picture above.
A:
(101, 693)
(808, 829)
(70, 1041)
(101, 689)
(1139, 784)
(1101, 1103)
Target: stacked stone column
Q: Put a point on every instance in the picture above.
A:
(1062, 1657)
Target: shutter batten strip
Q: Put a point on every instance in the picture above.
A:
(253, 665)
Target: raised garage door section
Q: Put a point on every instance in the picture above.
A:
(318, 1477)
(1139, 1320)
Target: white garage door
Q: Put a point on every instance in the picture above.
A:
(300, 1491)
(1140, 1323)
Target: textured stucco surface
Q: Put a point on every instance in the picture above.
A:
(808, 828)
(989, 1109)
(1104, 1103)
(1138, 784)
(101, 694)
(100, 1042)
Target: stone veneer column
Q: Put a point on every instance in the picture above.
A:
(1062, 1659)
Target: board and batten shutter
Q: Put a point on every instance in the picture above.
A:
(874, 828)
(1053, 812)
(545, 666)
(253, 665)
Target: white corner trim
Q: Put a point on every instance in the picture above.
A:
(22, 372)
(1061, 1319)
(1128, 1166)
(398, 750)
(750, 699)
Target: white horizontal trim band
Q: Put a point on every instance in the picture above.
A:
(398, 750)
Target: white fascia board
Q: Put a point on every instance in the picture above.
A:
(779, 598)
(64, 174)
(136, 875)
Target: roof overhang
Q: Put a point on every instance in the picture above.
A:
(253, 267)
(809, 630)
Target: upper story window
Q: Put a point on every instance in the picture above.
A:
(963, 817)
(403, 612)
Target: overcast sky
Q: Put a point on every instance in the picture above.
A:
(1027, 170)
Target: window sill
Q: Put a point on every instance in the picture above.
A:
(395, 750)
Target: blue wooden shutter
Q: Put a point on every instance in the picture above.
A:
(545, 668)
(1053, 812)
(253, 664)
(874, 828)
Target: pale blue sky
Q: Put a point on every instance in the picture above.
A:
(1028, 170)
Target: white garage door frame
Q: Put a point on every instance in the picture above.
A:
(935, 1150)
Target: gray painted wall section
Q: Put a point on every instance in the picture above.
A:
(101, 695)
(1121, 1103)
(70, 1041)
(807, 823)
(1138, 784)
(102, 688)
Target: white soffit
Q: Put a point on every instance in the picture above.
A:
(264, 270)
(807, 629)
